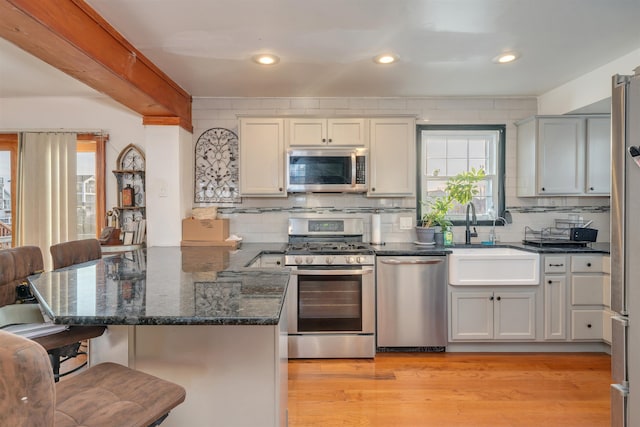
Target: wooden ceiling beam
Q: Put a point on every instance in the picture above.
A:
(71, 36)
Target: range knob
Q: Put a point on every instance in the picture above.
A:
(329, 260)
(298, 260)
(361, 259)
(349, 260)
(309, 260)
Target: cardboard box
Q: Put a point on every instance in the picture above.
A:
(205, 230)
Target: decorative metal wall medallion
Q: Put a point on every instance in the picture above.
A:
(216, 167)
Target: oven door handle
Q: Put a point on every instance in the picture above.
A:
(332, 272)
(394, 261)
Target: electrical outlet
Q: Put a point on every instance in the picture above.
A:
(406, 223)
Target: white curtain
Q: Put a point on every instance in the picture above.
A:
(46, 199)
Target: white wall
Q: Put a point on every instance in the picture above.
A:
(123, 126)
(587, 89)
(265, 224)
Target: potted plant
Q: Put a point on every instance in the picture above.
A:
(460, 188)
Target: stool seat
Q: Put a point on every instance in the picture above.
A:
(105, 395)
(109, 394)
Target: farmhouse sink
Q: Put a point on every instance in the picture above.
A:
(493, 266)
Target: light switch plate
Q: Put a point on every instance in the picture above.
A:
(406, 223)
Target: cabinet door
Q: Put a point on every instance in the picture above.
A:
(471, 315)
(306, 132)
(587, 289)
(598, 155)
(392, 157)
(515, 315)
(346, 132)
(262, 157)
(561, 156)
(555, 307)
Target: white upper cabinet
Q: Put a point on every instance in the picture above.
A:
(261, 164)
(599, 155)
(563, 156)
(392, 157)
(326, 133)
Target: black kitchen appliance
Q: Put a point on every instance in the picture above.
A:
(582, 234)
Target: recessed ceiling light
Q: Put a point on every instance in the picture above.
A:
(385, 58)
(505, 58)
(266, 59)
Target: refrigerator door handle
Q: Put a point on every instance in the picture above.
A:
(619, 372)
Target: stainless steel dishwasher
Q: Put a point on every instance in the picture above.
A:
(411, 302)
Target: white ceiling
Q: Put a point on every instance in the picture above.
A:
(326, 47)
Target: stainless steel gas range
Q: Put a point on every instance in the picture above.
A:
(332, 314)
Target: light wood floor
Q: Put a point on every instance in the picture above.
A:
(451, 389)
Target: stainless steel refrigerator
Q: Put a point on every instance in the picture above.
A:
(625, 250)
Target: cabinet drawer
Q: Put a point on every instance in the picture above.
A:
(587, 264)
(555, 264)
(271, 261)
(586, 324)
(587, 290)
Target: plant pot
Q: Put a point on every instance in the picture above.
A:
(438, 236)
(425, 234)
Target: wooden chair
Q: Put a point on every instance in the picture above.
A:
(75, 252)
(15, 265)
(104, 395)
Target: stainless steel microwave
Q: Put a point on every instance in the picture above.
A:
(327, 171)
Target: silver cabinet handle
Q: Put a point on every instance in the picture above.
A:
(394, 261)
(331, 272)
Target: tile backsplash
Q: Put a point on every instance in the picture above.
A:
(265, 219)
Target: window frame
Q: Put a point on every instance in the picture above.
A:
(500, 165)
(90, 142)
(9, 142)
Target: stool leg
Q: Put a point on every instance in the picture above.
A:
(54, 357)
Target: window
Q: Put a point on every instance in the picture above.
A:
(445, 151)
(90, 195)
(90, 185)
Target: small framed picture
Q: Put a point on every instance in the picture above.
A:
(127, 239)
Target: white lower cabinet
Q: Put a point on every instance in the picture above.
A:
(587, 303)
(575, 297)
(493, 314)
(555, 296)
(555, 307)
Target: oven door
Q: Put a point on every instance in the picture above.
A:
(332, 300)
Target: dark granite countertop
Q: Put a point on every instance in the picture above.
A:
(195, 285)
(166, 286)
(411, 249)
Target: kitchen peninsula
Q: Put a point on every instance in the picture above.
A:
(193, 316)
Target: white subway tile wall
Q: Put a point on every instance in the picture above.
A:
(271, 226)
